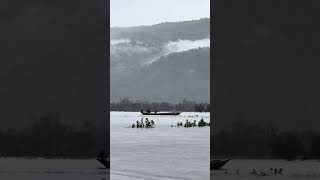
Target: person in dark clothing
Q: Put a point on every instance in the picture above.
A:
(103, 158)
(102, 154)
(254, 172)
(142, 125)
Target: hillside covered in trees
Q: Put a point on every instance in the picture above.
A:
(266, 72)
(164, 62)
(266, 64)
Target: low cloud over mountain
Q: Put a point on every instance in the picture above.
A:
(143, 57)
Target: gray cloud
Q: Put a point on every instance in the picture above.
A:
(149, 54)
(126, 13)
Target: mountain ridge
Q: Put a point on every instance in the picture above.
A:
(145, 56)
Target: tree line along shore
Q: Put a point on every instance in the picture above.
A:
(133, 106)
(245, 140)
(53, 138)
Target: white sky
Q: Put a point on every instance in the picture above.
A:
(126, 13)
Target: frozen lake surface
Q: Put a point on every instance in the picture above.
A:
(300, 170)
(51, 169)
(163, 152)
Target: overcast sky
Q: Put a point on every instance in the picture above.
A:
(125, 13)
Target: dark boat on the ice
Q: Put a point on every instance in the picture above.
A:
(160, 113)
(104, 159)
(217, 164)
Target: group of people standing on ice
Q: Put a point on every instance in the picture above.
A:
(150, 124)
(274, 171)
(271, 171)
(201, 123)
(147, 124)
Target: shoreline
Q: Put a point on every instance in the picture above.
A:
(264, 158)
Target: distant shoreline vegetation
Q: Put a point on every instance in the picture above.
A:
(135, 106)
(49, 137)
(253, 141)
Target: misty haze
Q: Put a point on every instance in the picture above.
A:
(165, 67)
(163, 62)
(267, 90)
(53, 90)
